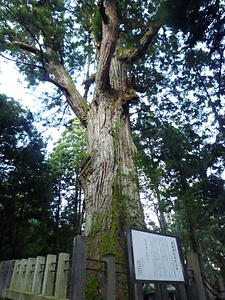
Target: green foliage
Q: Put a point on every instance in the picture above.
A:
(25, 187)
(200, 18)
(33, 222)
(177, 164)
(97, 26)
(92, 288)
(69, 152)
(65, 164)
(39, 24)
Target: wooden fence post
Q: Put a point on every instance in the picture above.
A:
(181, 292)
(78, 271)
(9, 275)
(49, 275)
(62, 276)
(2, 264)
(138, 291)
(38, 275)
(110, 277)
(2, 274)
(161, 292)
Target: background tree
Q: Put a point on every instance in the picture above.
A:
(65, 164)
(174, 162)
(25, 186)
(182, 127)
(181, 133)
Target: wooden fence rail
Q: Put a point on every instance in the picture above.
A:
(36, 278)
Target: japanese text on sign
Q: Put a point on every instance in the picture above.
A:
(156, 257)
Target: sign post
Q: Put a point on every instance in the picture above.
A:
(152, 258)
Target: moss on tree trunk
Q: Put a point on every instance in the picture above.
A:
(109, 179)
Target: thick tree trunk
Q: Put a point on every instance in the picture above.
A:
(109, 181)
(109, 178)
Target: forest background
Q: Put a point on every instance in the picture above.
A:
(178, 127)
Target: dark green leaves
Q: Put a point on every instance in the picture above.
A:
(202, 20)
(24, 183)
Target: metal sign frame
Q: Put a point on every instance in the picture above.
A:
(130, 244)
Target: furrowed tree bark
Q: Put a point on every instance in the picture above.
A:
(108, 44)
(109, 181)
(109, 178)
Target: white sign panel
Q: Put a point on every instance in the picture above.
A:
(156, 257)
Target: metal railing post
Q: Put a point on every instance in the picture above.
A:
(110, 277)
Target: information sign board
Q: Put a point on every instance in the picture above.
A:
(155, 257)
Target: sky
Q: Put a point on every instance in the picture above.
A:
(12, 84)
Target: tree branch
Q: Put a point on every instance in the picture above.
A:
(142, 88)
(145, 41)
(62, 80)
(64, 89)
(24, 46)
(108, 45)
(22, 63)
(87, 83)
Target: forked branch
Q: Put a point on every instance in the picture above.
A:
(108, 45)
